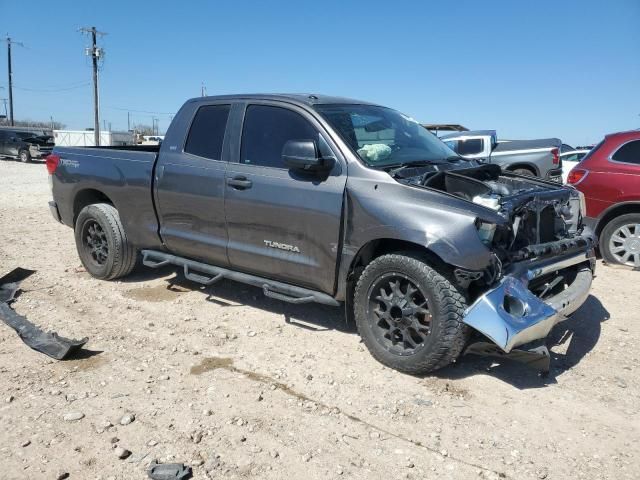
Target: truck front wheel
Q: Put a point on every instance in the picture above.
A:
(24, 156)
(102, 243)
(408, 315)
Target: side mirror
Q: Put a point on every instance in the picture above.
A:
(303, 155)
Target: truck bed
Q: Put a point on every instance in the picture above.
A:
(123, 174)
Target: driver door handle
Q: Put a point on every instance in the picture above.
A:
(239, 183)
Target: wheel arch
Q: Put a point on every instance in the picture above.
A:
(381, 246)
(88, 196)
(528, 166)
(615, 211)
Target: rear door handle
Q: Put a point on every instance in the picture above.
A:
(239, 183)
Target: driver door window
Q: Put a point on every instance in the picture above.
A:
(266, 129)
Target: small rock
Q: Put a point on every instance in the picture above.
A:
(62, 476)
(152, 443)
(73, 416)
(196, 437)
(207, 413)
(9, 399)
(309, 377)
(163, 377)
(127, 418)
(26, 443)
(114, 440)
(251, 334)
(307, 457)
(122, 453)
(260, 397)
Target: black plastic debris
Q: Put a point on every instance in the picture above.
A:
(168, 471)
(10, 283)
(537, 358)
(49, 343)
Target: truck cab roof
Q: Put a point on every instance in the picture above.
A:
(304, 99)
(470, 133)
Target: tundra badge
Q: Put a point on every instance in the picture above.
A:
(282, 246)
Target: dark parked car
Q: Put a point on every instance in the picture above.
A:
(24, 145)
(609, 177)
(330, 200)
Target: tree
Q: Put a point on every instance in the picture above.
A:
(34, 124)
(144, 129)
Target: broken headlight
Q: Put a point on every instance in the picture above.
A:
(486, 230)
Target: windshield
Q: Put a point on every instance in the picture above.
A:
(25, 135)
(383, 137)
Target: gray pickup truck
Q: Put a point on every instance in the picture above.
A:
(342, 202)
(540, 158)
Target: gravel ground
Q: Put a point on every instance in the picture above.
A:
(241, 386)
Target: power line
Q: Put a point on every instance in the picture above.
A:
(141, 111)
(95, 53)
(52, 90)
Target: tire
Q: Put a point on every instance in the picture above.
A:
(24, 156)
(524, 171)
(442, 333)
(620, 240)
(102, 244)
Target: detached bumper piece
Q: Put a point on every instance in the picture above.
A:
(49, 343)
(510, 315)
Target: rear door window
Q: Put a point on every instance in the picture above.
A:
(206, 135)
(472, 146)
(628, 153)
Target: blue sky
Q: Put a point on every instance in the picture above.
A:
(569, 69)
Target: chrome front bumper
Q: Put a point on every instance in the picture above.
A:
(510, 315)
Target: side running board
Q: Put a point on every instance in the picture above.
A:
(209, 274)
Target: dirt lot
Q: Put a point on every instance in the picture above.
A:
(240, 386)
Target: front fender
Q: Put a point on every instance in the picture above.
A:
(441, 223)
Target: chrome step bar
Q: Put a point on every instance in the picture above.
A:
(209, 274)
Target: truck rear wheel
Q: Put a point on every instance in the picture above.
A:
(408, 315)
(524, 171)
(102, 243)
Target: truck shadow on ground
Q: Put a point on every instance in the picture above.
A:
(576, 337)
(229, 294)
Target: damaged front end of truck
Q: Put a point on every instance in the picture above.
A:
(541, 259)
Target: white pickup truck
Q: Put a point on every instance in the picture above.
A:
(539, 158)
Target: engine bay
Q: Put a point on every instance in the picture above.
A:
(536, 212)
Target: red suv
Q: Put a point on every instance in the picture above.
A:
(609, 177)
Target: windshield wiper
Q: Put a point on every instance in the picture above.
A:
(420, 163)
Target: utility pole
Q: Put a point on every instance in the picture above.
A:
(9, 43)
(203, 90)
(95, 53)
